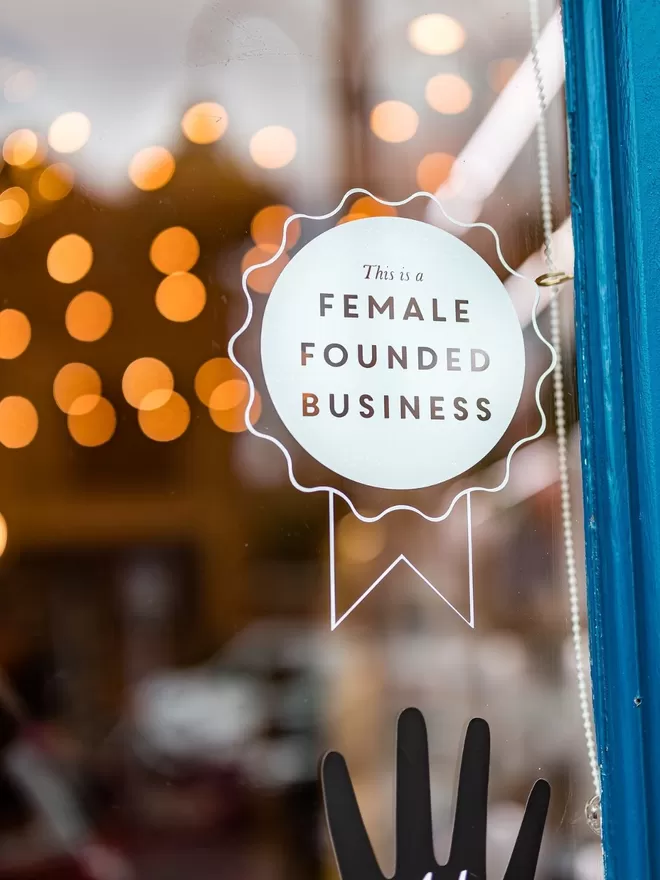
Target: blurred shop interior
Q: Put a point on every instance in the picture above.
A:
(168, 678)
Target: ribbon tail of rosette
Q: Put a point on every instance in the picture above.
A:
(341, 543)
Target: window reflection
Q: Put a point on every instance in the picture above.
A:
(169, 679)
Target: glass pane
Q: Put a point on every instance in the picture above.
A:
(170, 675)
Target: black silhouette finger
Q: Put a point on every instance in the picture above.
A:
(468, 845)
(414, 826)
(524, 858)
(353, 852)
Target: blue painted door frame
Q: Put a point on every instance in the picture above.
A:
(613, 99)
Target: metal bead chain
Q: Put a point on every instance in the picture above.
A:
(593, 807)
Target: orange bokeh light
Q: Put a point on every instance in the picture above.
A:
(6, 231)
(20, 147)
(18, 422)
(96, 427)
(436, 34)
(212, 374)
(88, 316)
(15, 333)
(230, 394)
(448, 93)
(166, 422)
(233, 420)
(77, 389)
(267, 227)
(348, 218)
(394, 121)
(180, 297)
(69, 132)
(55, 182)
(10, 212)
(369, 207)
(357, 542)
(147, 383)
(262, 280)
(204, 123)
(273, 147)
(151, 168)
(174, 250)
(433, 171)
(3, 534)
(14, 205)
(69, 258)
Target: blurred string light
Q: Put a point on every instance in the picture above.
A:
(433, 170)
(212, 374)
(18, 422)
(3, 534)
(15, 333)
(180, 297)
(222, 387)
(77, 389)
(267, 228)
(69, 258)
(273, 147)
(229, 395)
(262, 280)
(348, 218)
(359, 542)
(436, 34)
(448, 93)
(233, 420)
(501, 71)
(147, 383)
(365, 207)
(69, 132)
(372, 208)
(20, 85)
(7, 231)
(394, 121)
(174, 250)
(95, 427)
(151, 168)
(55, 182)
(21, 148)
(88, 316)
(14, 205)
(204, 123)
(166, 422)
(500, 136)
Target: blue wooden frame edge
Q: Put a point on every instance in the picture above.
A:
(619, 389)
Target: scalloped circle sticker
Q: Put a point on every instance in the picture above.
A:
(392, 353)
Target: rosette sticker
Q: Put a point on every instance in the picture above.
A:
(393, 355)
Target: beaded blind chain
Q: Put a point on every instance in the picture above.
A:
(553, 278)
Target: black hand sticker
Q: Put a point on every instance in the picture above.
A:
(415, 858)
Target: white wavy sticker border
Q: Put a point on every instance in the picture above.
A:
(285, 452)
